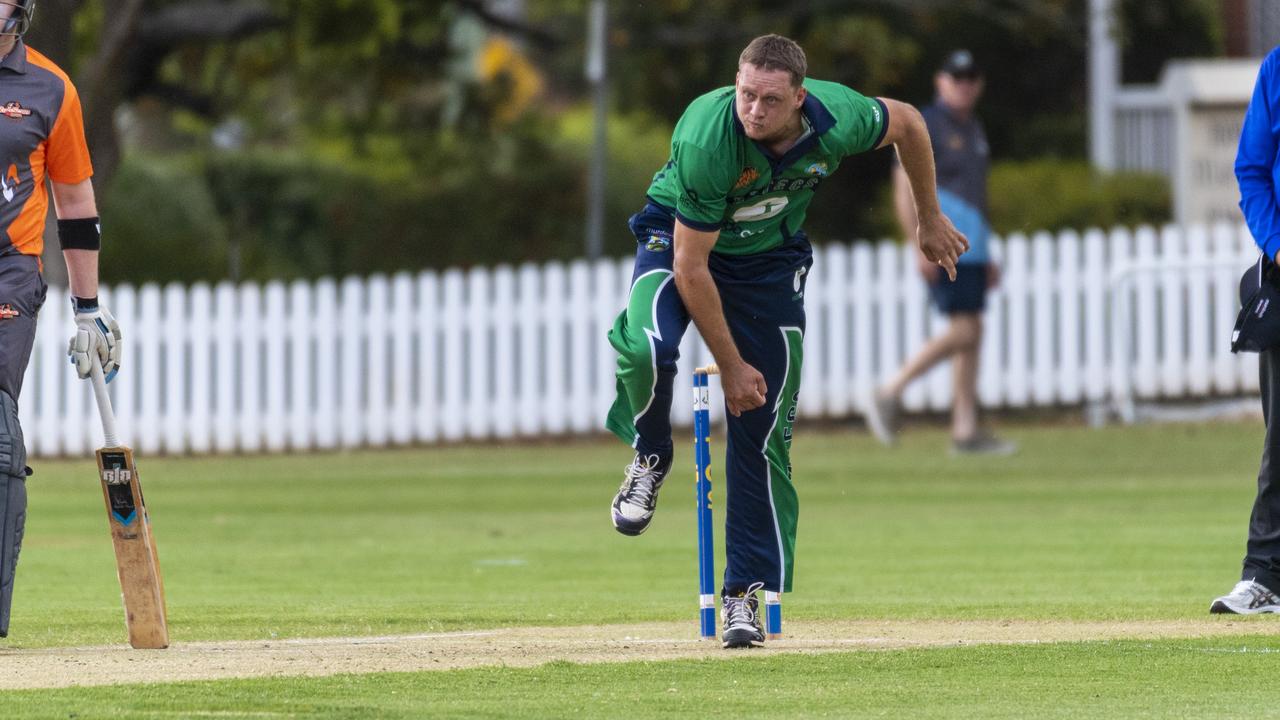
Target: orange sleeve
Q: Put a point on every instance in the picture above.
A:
(67, 157)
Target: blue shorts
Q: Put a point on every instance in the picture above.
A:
(968, 294)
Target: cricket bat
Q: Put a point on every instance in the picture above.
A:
(137, 564)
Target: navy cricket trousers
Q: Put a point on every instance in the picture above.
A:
(763, 300)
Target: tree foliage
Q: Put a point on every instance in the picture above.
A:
(476, 115)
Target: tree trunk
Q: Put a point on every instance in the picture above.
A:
(102, 88)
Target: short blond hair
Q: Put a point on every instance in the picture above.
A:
(774, 52)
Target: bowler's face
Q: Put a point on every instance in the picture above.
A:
(766, 101)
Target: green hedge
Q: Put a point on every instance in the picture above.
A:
(295, 216)
(1056, 194)
(160, 223)
(515, 197)
(518, 198)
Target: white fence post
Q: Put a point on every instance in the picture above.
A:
(174, 413)
(327, 326)
(248, 337)
(203, 340)
(479, 357)
(374, 379)
(149, 372)
(275, 333)
(226, 309)
(992, 361)
(351, 337)
(401, 328)
(1044, 291)
(1019, 291)
(302, 354)
(1066, 269)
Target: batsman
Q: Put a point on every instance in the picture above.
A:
(720, 242)
(41, 142)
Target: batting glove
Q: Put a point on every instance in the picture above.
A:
(96, 333)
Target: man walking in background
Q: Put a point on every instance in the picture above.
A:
(720, 242)
(962, 156)
(41, 138)
(1257, 162)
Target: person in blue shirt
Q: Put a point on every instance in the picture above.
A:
(1257, 172)
(963, 157)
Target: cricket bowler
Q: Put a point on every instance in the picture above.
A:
(41, 139)
(720, 241)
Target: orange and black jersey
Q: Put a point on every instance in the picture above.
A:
(41, 135)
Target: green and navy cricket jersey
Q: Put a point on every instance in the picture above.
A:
(719, 179)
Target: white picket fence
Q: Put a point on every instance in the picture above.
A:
(519, 352)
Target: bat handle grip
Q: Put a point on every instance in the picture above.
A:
(111, 437)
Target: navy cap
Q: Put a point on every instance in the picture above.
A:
(960, 63)
(1258, 324)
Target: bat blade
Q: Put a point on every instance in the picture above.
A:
(137, 563)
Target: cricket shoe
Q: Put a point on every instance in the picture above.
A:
(882, 418)
(740, 615)
(1246, 598)
(636, 500)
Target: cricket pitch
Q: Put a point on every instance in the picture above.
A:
(532, 646)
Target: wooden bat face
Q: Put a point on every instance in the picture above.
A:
(137, 564)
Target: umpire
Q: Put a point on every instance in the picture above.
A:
(1257, 163)
(41, 142)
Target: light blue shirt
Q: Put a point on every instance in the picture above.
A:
(970, 221)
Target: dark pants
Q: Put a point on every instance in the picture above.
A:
(763, 301)
(1262, 557)
(22, 293)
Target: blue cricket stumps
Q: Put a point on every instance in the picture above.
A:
(706, 533)
(702, 489)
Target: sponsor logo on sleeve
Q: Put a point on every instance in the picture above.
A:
(8, 312)
(14, 110)
(657, 241)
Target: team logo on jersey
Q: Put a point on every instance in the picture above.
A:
(763, 210)
(14, 110)
(8, 312)
(818, 168)
(749, 175)
(657, 242)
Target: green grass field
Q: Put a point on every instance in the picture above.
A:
(1132, 524)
